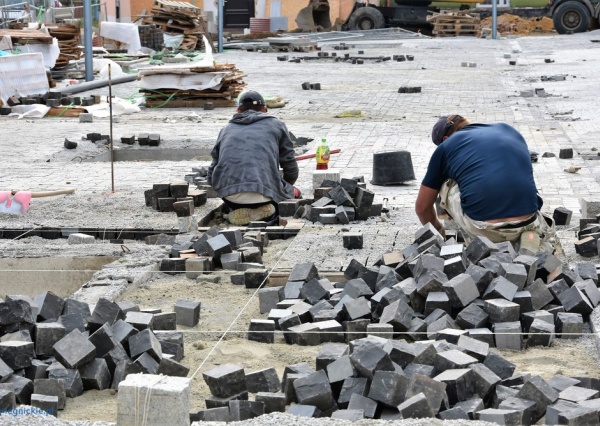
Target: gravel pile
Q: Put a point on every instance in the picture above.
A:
(290, 420)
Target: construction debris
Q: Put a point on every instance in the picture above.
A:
(191, 85)
(175, 17)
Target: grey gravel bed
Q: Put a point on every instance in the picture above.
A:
(7, 419)
(288, 420)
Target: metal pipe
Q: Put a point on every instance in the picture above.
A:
(82, 87)
(494, 19)
(220, 35)
(87, 36)
(112, 151)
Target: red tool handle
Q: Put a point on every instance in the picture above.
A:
(306, 156)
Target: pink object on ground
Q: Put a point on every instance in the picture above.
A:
(14, 204)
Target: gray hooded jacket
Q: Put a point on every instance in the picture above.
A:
(247, 156)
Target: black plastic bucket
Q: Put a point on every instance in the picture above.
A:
(392, 168)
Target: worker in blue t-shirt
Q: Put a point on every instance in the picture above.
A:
(484, 178)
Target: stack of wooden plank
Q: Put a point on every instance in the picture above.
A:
(69, 42)
(177, 17)
(228, 79)
(455, 23)
(68, 36)
(25, 36)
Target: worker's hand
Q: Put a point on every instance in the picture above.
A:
(442, 232)
(440, 228)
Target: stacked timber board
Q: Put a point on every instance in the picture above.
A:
(175, 17)
(68, 36)
(455, 23)
(69, 40)
(24, 37)
(176, 93)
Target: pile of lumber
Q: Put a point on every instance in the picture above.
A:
(26, 36)
(67, 35)
(177, 87)
(455, 23)
(176, 17)
(69, 42)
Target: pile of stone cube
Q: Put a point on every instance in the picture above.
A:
(226, 249)
(199, 177)
(434, 289)
(144, 139)
(53, 98)
(371, 377)
(334, 203)
(588, 235)
(175, 197)
(53, 348)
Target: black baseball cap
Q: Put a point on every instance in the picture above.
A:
(250, 98)
(439, 130)
(443, 126)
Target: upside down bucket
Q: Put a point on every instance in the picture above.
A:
(392, 168)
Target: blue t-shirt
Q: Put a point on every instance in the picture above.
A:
(492, 166)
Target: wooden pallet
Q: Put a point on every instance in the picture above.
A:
(180, 18)
(445, 30)
(455, 23)
(177, 6)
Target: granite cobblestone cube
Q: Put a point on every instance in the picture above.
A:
(226, 380)
(187, 312)
(315, 390)
(262, 331)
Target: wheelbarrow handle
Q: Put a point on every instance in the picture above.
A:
(47, 193)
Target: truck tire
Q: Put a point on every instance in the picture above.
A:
(571, 17)
(366, 18)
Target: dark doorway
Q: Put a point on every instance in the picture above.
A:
(237, 13)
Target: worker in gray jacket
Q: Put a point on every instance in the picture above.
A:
(246, 160)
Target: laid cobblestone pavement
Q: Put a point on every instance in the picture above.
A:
(488, 89)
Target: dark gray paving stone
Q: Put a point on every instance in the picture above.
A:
(388, 388)
(362, 403)
(539, 391)
(315, 389)
(273, 401)
(51, 387)
(483, 380)
(435, 391)
(245, 410)
(226, 380)
(499, 365)
(95, 375)
(417, 407)
(74, 350)
(503, 417)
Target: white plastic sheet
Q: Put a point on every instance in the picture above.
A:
(119, 107)
(123, 33)
(100, 66)
(173, 40)
(22, 75)
(6, 43)
(29, 111)
(50, 52)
